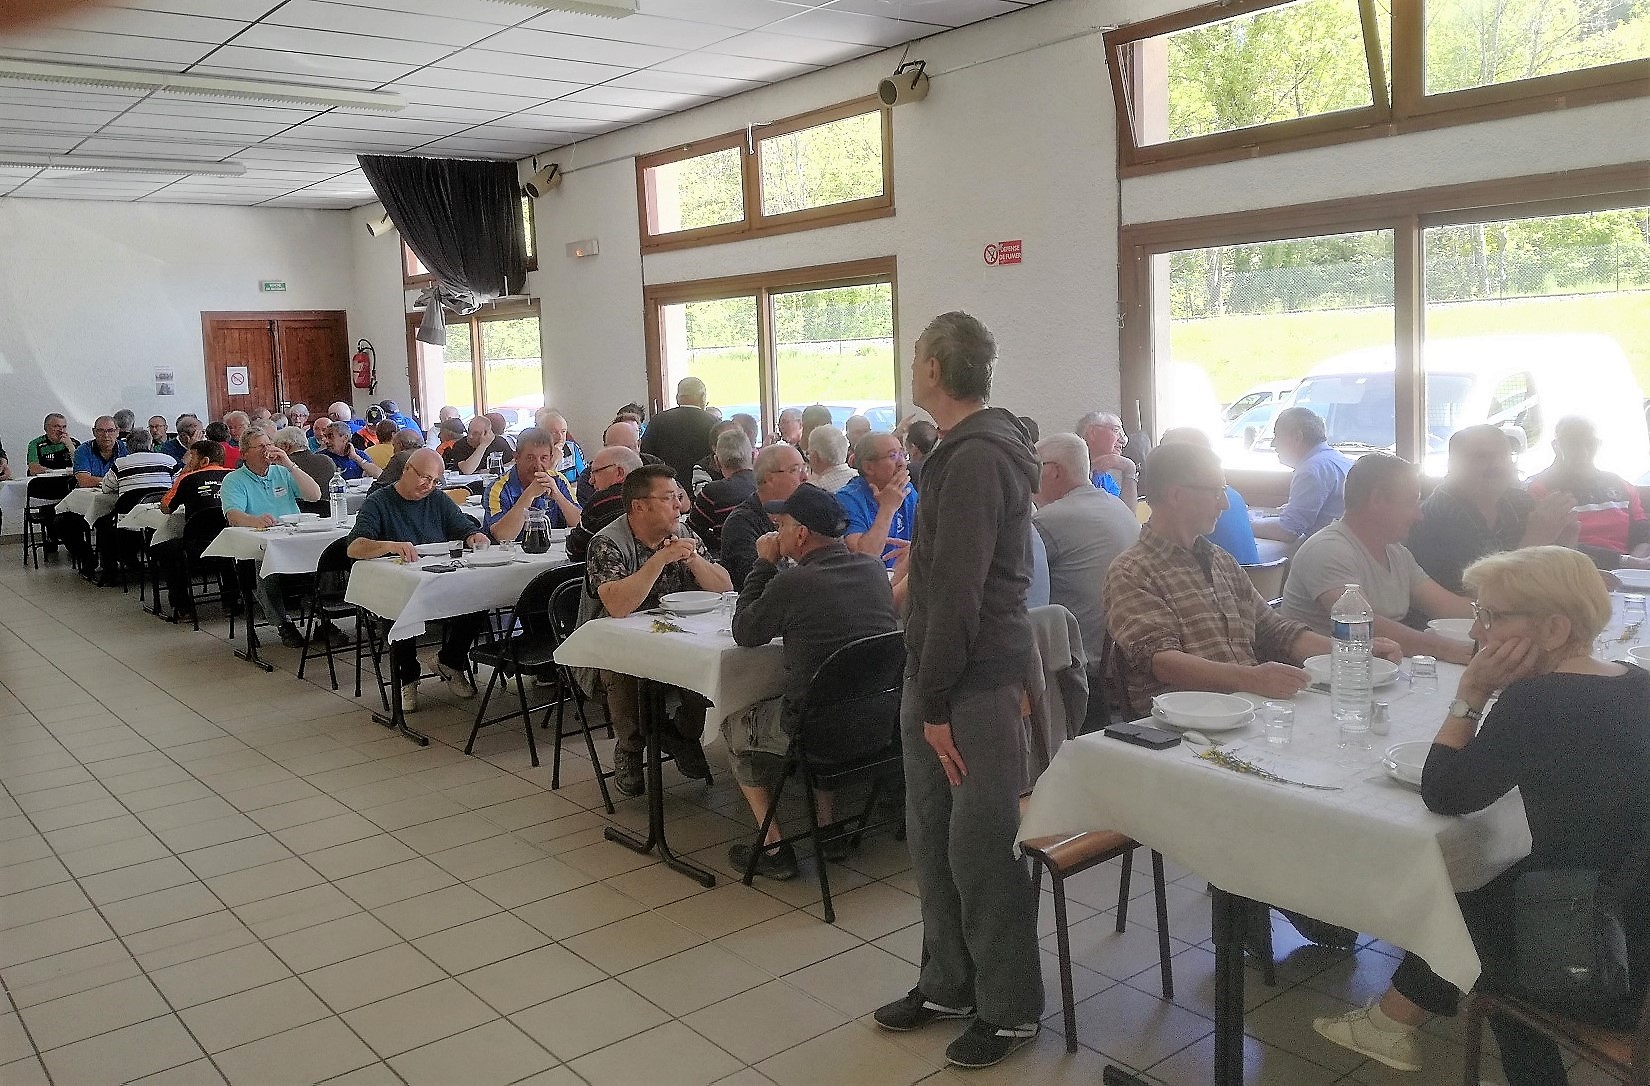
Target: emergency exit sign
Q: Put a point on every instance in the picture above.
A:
(272, 286)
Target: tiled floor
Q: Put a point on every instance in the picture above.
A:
(214, 874)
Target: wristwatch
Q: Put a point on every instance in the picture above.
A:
(1459, 708)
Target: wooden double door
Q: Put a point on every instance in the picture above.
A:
(275, 359)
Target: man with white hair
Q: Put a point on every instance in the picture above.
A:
(298, 415)
(339, 411)
(779, 470)
(605, 504)
(719, 497)
(570, 460)
(855, 428)
(317, 466)
(236, 422)
(258, 492)
(828, 459)
(681, 435)
(1112, 472)
(881, 503)
(1083, 529)
(790, 427)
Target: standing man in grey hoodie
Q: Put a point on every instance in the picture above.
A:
(968, 642)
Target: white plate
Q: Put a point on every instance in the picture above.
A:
(1637, 580)
(690, 603)
(1381, 672)
(315, 526)
(299, 518)
(473, 499)
(1241, 722)
(1203, 710)
(1640, 655)
(1456, 629)
(1404, 761)
(489, 558)
(431, 549)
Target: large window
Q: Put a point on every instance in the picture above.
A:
(1512, 303)
(786, 339)
(1238, 77)
(830, 166)
(492, 361)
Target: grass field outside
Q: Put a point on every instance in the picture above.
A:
(1240, 351)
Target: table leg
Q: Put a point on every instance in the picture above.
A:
(1227, 914)
(398, 715)
(650, 708)
(151, 572)
(245, 573)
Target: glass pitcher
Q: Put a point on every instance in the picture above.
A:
(535, 537)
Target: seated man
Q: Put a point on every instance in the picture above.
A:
(381, 450)
(706, 470)
(531, 483)
(402, 445)
(468, 456)
(1315, 498)
(606, 502)
(197, 488)
(1084, 529)
(1365, 548)
(1479, 509)
(1112, 472)
(881, 504)
(780, 469)
(448, 432)
(1614, 530)
(255, 495)
(298, 415)
(788, 427)
(92, 461)
(1233, 533)
(831, 596)
(141, 469)
(722, 496)
(395, 520)
(190, 431)
(570, 462)
(827, 454)
(317, 466)
(157, 432)
(217, 431)
(125, 422)
(641, 556)
(813, 417)
(392, 411)
(1182, 611)
(920, 438)
(350, 461)
(236, 422)
(53, 450)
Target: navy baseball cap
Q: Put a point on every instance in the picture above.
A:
(815, 509)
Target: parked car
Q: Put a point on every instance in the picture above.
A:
(1275, 393)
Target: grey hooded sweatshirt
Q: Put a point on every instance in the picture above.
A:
(971, 562)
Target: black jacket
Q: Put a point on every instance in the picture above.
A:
(971, 561)
(679, 437)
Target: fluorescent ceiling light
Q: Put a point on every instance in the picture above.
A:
(606, 9)
(123, 164)
(212, 86)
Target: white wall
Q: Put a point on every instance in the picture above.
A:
(94, 296)
(379, 313)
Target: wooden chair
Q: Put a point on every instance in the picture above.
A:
(1071, 854)
(1268, 577)
(458, 494)
(1622, 1053)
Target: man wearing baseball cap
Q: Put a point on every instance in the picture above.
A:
(827, 598)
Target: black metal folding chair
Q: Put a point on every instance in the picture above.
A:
(326, 602)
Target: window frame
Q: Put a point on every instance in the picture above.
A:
(1404, 106)
(1409, 214)
(529, 241)
(478, 372)
(762, 285)
(755, 223)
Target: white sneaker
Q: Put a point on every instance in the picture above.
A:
(460, 682)
(409, 697)
(1357, 1031)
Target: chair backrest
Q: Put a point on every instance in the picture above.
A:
(564, 603)
(202, 527)
(131, 499)
(50, 488)
(332, 571)
(458, 494)
(1268, 577)
(851, 710)
(533, 605)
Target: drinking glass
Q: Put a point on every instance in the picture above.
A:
(1632, 609)
(730, 600)
(1423, 675)
(1277, 722)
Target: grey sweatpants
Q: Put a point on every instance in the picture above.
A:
(979, 904)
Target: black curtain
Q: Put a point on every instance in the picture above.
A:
(461, 218)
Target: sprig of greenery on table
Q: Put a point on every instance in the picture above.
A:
(1227, 760)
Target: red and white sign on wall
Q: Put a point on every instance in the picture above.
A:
(999, 253)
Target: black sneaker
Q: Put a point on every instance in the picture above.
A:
(688, 754)
(836, 849)
(914, 1010)
(983, 1044)
(779, 864)
(627, 772)
(290, 637)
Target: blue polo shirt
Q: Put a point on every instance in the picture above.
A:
(86, 458)
(348, 468)
(273, 492)
(506, 492)
(1105, 481)
(1315, 492)
(860, 503)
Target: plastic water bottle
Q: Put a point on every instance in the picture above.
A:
(1352, 629)
(340, 506)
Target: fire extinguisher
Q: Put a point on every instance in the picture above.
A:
(364, 366)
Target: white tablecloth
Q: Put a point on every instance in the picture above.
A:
(410, 597)
(14, 494)
(1369, 857)
(88, 501)
(701, 659)
(276, 550)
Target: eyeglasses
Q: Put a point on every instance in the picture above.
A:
(1485, 617)
(415, 473)
(897, 454)
(1205, 489)
(603, 467)
(102, 430)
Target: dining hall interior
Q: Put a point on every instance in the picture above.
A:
(434, 435)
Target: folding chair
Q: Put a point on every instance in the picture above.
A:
(1625, 1054)
(525, 647)
(42, 495)
(326, 601)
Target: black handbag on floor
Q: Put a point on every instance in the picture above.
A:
(1569, 943)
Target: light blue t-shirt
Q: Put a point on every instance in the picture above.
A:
(860, 503)
(1233, 533)
(273, 492)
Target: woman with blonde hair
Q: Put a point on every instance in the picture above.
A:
(1572, 733)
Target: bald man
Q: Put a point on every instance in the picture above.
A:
(394, 521)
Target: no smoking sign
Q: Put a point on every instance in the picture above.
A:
(999, 253)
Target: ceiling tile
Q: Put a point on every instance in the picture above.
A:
(87, 47)
(301, 67)
(482, 11)
(715, 64)
(486, 83)
(532, 67)
(656, 101)
(340, 125)
(159, 148)
(452, 97)
(522, 132)
(378, 22)
(331, 43)
(539, 43)
(245, 10)
(744, 14)
(946, 12)
(210, 127)
(152, 24)
(264, 112)
(13, 115)
(566, 107)
(845, 26)
(709, 86)
(765, 46)
(642, 29)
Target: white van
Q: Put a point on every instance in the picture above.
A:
(1521, 383)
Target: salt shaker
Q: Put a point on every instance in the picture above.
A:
(1380, 721)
